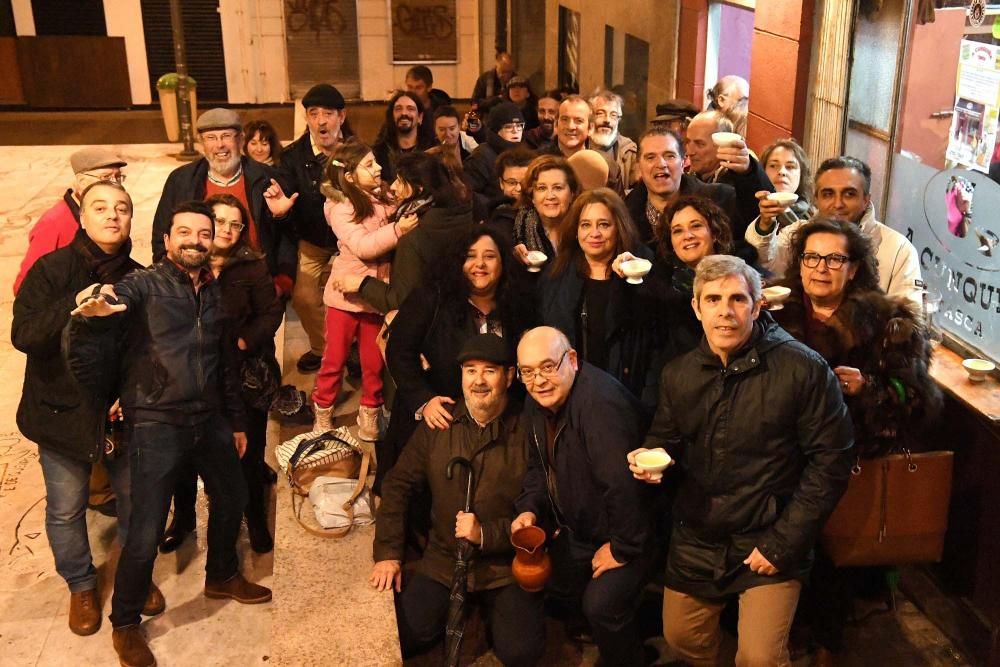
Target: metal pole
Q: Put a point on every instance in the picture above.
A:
(188, 153)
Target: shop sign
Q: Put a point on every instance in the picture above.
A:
(424, 31)
(977, 100)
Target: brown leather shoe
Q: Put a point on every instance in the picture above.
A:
(155, 602)
(84, 612)
(239, 589)
(130, 645)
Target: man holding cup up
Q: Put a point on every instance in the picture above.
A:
(759, 430)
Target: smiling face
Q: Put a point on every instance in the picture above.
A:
(548, 112)
(597, 233)
(840, 195)
(823, 285)
(106, 216)
(574, 124)
(483, 267)
(484, 386)
(222, 150)
(690, 236)
(700, 148)
(190, 240)
(551, 195)
(784, 170)
(510, 181)
(661, 164)
(368, 174)
(607, 115)
(324, 126)
(727, 313)
(259, 148)
(228, 226)
(405, 115)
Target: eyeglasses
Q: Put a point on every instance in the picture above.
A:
(613, 115)
(834, 261)
(116, 177)
(546, 370)
(512, 127)
(218, 138)
(511, 182)
(233, 226)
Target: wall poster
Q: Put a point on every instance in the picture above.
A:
(424, 31)
(974, 122)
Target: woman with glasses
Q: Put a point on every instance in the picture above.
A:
(471, 293)
(548, 190)
(879, 350)
(360, 216)
(607, 321)
(504, 130)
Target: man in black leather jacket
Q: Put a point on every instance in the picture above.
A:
(180, 396)
(757, 422)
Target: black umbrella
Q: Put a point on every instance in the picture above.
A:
(456, 600)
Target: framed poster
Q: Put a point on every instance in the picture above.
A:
(424, 31)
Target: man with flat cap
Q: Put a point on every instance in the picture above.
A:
(302, 165)
(225, 170)
(489, 433)
(58, 225)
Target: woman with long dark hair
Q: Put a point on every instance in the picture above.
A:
(472, 293)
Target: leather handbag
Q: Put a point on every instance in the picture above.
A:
(895, 511)
(317, 454)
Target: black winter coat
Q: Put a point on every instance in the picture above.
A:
(746, 186)
(764, 451)
(55, 411)
(303, 172)
(481, 173)
(188, 183)
(416, 253)
(597, 498)
(179, 361)
(250, 301)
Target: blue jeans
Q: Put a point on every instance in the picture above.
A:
(67, 488)
(157, 453)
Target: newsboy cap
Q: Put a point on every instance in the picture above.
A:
(219, 119)
(323, 95)
(94, 157)
(486, 347)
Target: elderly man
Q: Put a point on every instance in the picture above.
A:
(176, 412)
(732, 164)
(661, 156)
(68, 421)
(489, 434)
(401, 132)
(843, 192)
(728, 92)
(605, 139)
(59, 225)
(757, 422)
(504, 128)
(492, 82)
(577, 489)
(225, 170)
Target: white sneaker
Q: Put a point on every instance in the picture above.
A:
(371, 425)
(324, 418)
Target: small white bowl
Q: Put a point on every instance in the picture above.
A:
(635, 269)
(776, 294)
(535, 260)
(653, 461)
(978, 369)
(726, 138)
(785, 198)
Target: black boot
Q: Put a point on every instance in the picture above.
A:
(260, 537)
(175, 534)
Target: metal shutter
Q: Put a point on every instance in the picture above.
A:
(202, 43)
(322, 45)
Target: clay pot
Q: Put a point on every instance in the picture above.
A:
(532, 566)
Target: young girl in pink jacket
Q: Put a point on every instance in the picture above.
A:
(360, 217)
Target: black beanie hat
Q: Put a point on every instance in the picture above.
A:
(503, 113)
(323, 95)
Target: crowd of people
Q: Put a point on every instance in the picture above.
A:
(493, 254)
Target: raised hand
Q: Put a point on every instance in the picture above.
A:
(277, 201)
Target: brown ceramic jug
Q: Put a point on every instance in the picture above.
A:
(532, 566)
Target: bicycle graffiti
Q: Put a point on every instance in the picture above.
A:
(314, 15)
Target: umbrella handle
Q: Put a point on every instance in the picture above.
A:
(470, 480)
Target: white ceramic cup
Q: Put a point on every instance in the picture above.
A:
(978, 369)
(776, 294)
(653, 461)
(635, 269)
(535, 260)
(726, 138)
(784, 198)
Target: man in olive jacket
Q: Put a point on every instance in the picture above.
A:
(68, 421)
(758, 426)
(488, 432)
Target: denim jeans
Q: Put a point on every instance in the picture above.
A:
(157, 453)
(67, 488)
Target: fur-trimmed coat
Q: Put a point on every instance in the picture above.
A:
(885, 338)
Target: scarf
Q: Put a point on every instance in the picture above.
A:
(529, 231)
(108, 269)
(681, 277)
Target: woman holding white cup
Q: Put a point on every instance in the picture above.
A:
(787, 166)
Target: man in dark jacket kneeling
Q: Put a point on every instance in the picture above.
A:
(581, 422)
(489, 433)
(757, 422)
